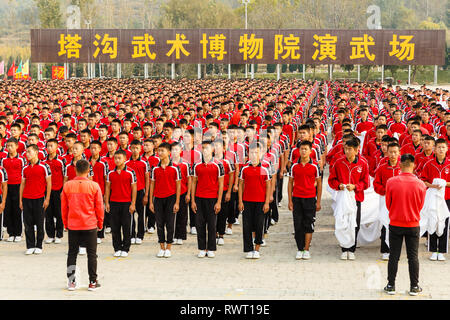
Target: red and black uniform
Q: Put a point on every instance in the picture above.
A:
(254, 179)
(58, 171)
(141, 168)
(225, 209)
(356, 173)
(164, 192)
(13, 216)
(3, 178)
(304, 199)
(182, 215)
(120, 201)
(33, 195)
(100, 170)
(431, 170)
(206, 193)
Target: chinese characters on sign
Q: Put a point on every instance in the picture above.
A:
(388, 47)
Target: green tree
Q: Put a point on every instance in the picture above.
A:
(348, 67)
(49, 14)
(271, 68)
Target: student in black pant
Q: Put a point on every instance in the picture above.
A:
(164, 201)
(254, 196)
(120, 202)
(207, 190)
(181, 217)
(34, 199)
(3, 195)
(304, 193)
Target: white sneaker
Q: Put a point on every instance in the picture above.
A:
(351, 256)
(441, 257)
(117, 253)
(138, 241)
(10, 239)
(306, 255)
(229, 231)
(344, 255)
(264, 243)
(167, 254)
(58, 240)
(193, 230)
(82, 251)
(236, 222)
(108, 230)
(37, 251)
(211, 254)
(133, 240)
(434, 256)
(385, 256)
(161, 253)
(202, 254)
(249, 255)
(30, 251)
(180, 242)
(124, 254)
(272, 222)
(220, 242)
(49, 240)
(279, 204)
(175, 241)
(256, 255)
(151, 230)
(99, 240)
(17, 239)
(299, 255)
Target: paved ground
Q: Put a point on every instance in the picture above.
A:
(277, 275)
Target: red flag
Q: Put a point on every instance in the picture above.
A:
(12, 70)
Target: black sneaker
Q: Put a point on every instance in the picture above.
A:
(414, 291)
(94, 285)
(389, 289)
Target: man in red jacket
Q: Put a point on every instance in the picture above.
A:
(405, 196)
(82, 214)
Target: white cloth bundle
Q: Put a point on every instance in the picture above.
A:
(361, 139)
(434, 211)
(345, 218)
(370, 229)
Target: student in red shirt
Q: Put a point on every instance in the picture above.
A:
(3, 195)
(58, 169)
(152, 158)
(164, 201)
(351, 172)
(112, 146)
(142, 170)
(405, 197)
(438, 167)
(382, 174)
(185, 197)
(13, 165)
(34, 199)
(305, 193)
(100, 171)
(254, 198)
(120, 202)
(414, 146)
(427, 154)
(207, 190)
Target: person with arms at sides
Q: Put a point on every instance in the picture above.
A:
(3, 195)
(305, 193)
(34, 198)
(255, 190)
(351, 172)
(405, 197)
(142, 169)
(82, 214)
(120, 202)
(58, 170)
(152, 158)
(164, 201)
(382, 174)
(438, 167)
(207, 190)
(13, 164)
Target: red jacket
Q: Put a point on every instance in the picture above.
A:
(85, 211)
(432, 169)
(382, 174)
(405, 196)
(356, 173)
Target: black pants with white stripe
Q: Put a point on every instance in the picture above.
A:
(252, 221)
(304, 214)
(121, 225)
(33, 215)
(140, 217)
(206, 221)
(165, 218)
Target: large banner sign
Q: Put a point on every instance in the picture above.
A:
(237, 46)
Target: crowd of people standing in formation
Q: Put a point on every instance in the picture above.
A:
(176, 155)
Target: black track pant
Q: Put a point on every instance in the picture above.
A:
(223, 215)
(206, 219)
(439, 244)
(165, 218)
(87, 238)
(253, 221)
(304, 214)
(121, 225)
(33, 215)
(13, 215)
(181, 219)
(140, 217)
(384, 247)
(53, 213)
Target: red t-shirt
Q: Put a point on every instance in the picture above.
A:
(304, 176)
(255, 178)
(165, 180)
(35, 180)
(121, 184)
(13, 167)
(208, 175)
